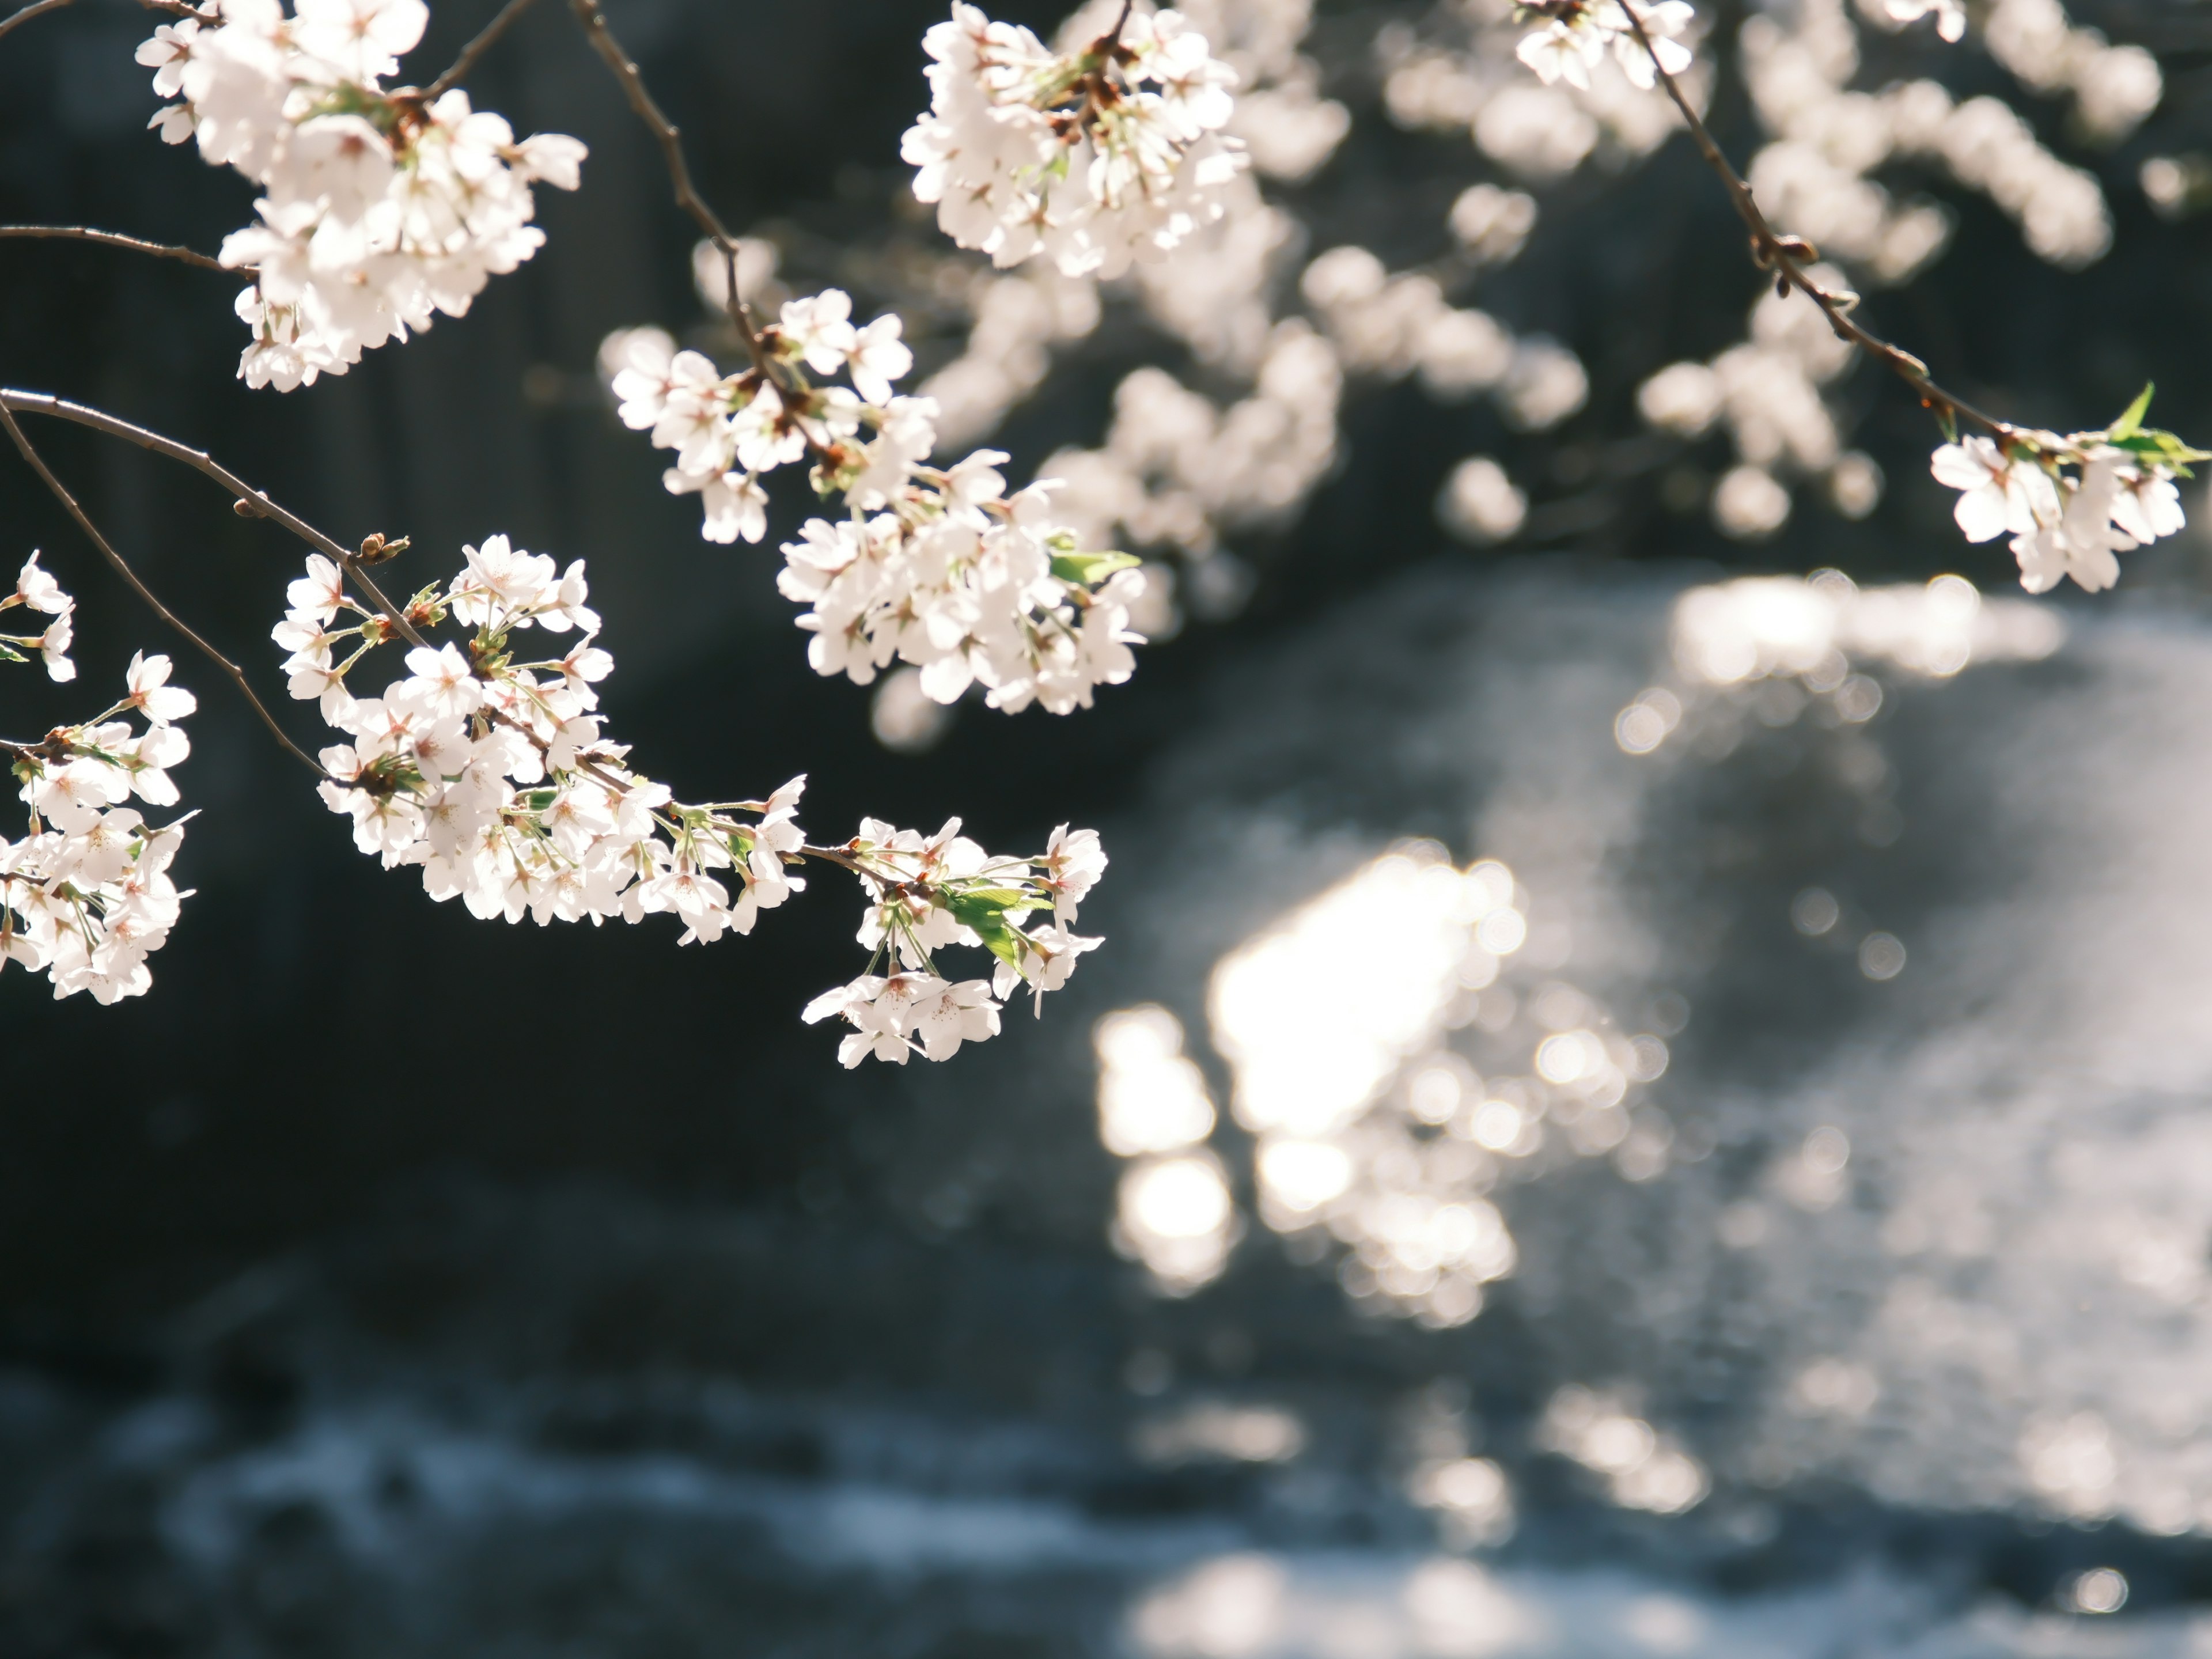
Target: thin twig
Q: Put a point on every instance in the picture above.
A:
(39, 7)
(115, 238)
(485, 40)
(255, 501)
(670, 140)
(123, 568)
(1781, 255)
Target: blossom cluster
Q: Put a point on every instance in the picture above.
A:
(2119, 496)
(85, 896)
(938, 568)
(927, 893)
(35, 590)
(1091, 158)
(382, 208)
(1576, 34)
(489, 771)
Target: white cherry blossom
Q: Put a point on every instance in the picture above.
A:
(1114, 155)
(379, 215)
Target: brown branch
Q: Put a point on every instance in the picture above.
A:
(1782, 255)
(670, 140)
(37, 8)
(123, 568)
(255, 501)
(40, 8)
(485, 40)
(112, 239)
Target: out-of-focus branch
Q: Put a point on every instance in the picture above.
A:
(39, 7)
(485, 40)
(1785, 257)
(114, 239)
(121, 567)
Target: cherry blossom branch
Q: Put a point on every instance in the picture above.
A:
(1785, 255)
(485, 40)
(92, 531)
(115, 238)
(250, 502)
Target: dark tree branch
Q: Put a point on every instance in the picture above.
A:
(1785, 256)
(115, 238)
(486, 40)
(123, 568)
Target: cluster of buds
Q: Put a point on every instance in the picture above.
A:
(1091, 160)
(938, 568)
(382, 207)
(85, 896)
(1574, 36)
(489, 772)
(2072, 504)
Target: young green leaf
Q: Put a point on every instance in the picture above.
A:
(2131, 423)
(1086, 569)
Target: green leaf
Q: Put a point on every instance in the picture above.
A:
(1948, 419)
(984, 911)
(2131, 423)
(539, 800)
(8, 653)
(1087, 569)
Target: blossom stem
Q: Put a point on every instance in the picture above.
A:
(113, 239)
(1781, 255)
(486, 39)
(121, 567)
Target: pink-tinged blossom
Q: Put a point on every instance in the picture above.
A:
(2000, 493)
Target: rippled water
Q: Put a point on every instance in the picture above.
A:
(1635, 1121)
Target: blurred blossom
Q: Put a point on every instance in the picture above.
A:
(1749, 505)
(1855, 485)
(1491, 223)
(906, 719)
(1016, 319)
(757, 262)
(1479, 503)
(2177, 185)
